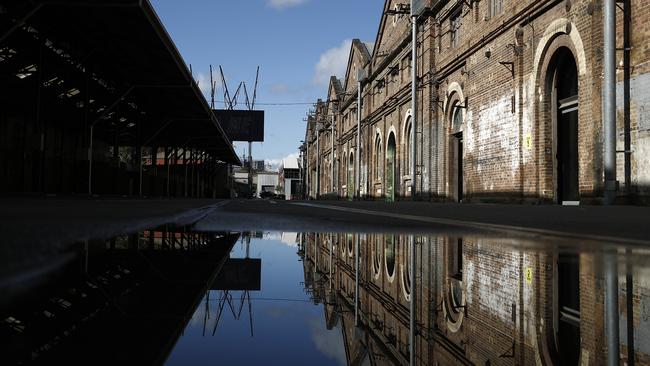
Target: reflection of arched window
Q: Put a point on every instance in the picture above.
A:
(376, 260)
(454, 303)
(406, 250)
(378, 157)
(389, 254)
(350, 244)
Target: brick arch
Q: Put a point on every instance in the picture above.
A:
(455, 94)
(544, 129)
(547, 43)
(555, 41)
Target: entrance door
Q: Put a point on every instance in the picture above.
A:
(566, 101)
(390, 169)
(457, 166)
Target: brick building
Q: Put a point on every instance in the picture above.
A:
(509, 105)
(478, 301)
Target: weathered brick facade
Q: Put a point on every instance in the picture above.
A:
(478, 301)
(523, 82)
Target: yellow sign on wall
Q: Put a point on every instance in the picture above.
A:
(528, 141)
(529, 275)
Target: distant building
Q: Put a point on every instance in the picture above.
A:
(258, 165)
(290, 181)
(265, 182)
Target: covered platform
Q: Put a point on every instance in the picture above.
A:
(96, 99)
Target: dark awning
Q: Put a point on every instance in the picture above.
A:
(125, 43)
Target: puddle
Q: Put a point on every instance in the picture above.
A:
(176, 296)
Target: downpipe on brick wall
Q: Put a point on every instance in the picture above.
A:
(609, 126)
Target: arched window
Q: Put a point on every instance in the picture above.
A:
(378, 157)
(407, 148)
(457, 117)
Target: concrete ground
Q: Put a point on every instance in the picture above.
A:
(36, 230)
(615, 224)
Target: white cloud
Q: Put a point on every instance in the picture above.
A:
(332, 62)
(275, 163)
(204, 84)
(328, 342)
(279, 88)
(282, 4)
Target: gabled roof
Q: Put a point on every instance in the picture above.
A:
(334, 93)
(335, 89)
(386, 27)
(358, 52)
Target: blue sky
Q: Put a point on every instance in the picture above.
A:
(298, 44)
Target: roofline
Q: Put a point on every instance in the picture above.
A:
(164, 36)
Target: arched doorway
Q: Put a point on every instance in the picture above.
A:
(390, 168)
(564, 103)
(456, 150)
(351, 180)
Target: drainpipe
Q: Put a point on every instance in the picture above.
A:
(414, 89)
(611, 307)
(609, 100)
(609, 125)
(412, 298)
(414, 105)
(317, 159)
(357, 176)
(307, 172)
(356, 282)
(332, 155)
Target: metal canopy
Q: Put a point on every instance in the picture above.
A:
(125, 43)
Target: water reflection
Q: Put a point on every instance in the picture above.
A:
(121, 301)
(477, 301)
(175, 296)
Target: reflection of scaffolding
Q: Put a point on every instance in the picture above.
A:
(226, 298)
(236, 295)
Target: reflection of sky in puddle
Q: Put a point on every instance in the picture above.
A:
(287, 327)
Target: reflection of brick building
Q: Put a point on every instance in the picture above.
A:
(478, 301)
(509, 106)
